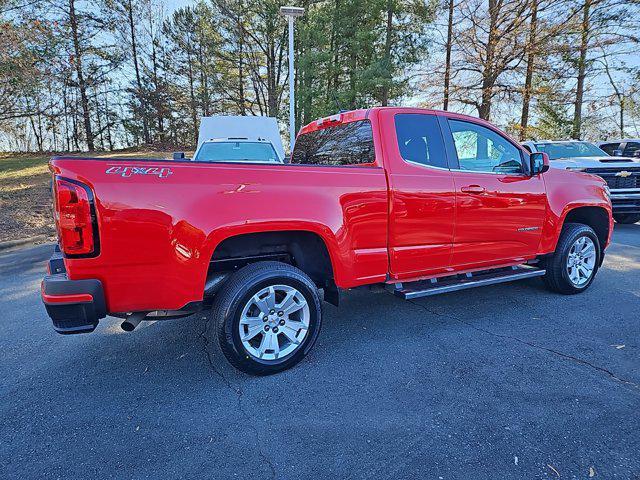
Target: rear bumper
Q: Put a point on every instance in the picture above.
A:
(75, 306)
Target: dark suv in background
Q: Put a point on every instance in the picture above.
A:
(621, 148)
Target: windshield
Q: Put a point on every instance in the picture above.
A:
(570, 149)
(236, 152)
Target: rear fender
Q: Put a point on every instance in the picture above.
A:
(228, 231)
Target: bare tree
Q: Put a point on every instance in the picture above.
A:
(531, 58)
(491, 44)
(82, 83)
(448, 48)
(585, 28)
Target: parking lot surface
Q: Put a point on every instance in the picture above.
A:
(507, 381)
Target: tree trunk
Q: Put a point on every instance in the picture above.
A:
(65, 107)
(447, 65)
(53, 119)
(531, 58)
(484, 110)
(108, 118)
(40, 127)
(387, 54)
(333, 77)
(192, 96)
(297, 80)
(352, 79)
(241, 94)
(204, 77)
(622, 105)
(272, 101)
(134, 52)
(76, 136)
(34, 129)
(488, 76)
(156, 98)
(619, 96)
(82, 84)
(582, 71)
(99, 119)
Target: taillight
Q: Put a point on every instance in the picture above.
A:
(74, 219)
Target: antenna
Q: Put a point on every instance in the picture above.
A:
(335, 99)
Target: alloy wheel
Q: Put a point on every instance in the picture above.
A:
(581, 261)
(274, 322)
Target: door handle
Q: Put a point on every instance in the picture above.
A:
(473, 189)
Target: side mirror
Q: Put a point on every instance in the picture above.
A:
(178, 155)
(538, 163)
(617, 153)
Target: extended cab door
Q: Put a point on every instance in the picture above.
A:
(422, 196)
(500, 208)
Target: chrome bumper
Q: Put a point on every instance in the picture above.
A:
(625, 201)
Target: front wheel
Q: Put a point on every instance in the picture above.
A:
(268, 317)
(573, 266)
(625, 218)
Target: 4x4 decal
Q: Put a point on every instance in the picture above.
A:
(128, 171)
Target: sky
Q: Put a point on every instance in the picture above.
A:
(175, 4)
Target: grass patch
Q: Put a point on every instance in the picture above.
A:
(25, 194)
(17, 163)
(21, 172)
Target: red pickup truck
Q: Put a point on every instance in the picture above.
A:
(420, 201)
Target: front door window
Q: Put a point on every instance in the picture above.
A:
(480, 149)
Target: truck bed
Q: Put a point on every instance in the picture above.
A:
(159, 221)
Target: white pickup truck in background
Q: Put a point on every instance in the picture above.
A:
(225, 138)
(622, 174)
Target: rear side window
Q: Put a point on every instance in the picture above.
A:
(420, 140)
(346, 144)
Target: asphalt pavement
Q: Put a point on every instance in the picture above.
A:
(501, 382)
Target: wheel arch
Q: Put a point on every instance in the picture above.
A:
(310, 250)
(595, 217)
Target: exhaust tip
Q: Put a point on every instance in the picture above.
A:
(132, 321)
(128, 326)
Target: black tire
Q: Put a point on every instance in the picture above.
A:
(238, 291)
(626, 218)
(557, 278)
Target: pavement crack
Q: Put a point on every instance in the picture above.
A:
(567, 356)
(212, 365)
(237, 391)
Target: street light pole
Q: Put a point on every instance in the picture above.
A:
(291, 13)
(292, 104)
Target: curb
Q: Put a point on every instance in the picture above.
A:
(22, 242)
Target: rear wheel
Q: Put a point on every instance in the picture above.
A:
(573, 266)
(268, 317)
(625, 218)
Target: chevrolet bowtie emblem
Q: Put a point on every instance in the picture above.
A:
(623, 174)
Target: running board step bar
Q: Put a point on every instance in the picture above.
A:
(454, 283)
